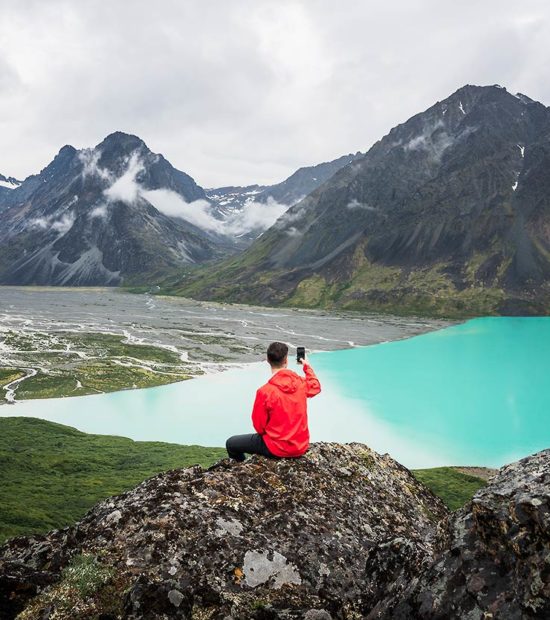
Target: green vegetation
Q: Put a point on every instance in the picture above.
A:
(7, 375)
(453, 487)
(377, 288)
(51, 474)
(86, 575)
(87, 589)
(73, 364)
(92, 378)
(437, 290)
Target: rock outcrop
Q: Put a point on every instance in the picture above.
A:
(265, 539)
(497, 561)
(342, 533)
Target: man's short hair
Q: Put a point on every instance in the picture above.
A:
(276, 353)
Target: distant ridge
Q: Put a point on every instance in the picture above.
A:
(118, 213)
(448, 214)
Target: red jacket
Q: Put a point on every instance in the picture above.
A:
(280, 411)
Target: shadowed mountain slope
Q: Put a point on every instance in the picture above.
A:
(447, 214)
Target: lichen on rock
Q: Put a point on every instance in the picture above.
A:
(287, 535)
(496, 563)
(340, 533)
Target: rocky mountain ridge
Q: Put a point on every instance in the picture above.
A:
(341, 533)
(290, 191)
(120, 213)
(88, 218)
(8, 183)
(447, 214)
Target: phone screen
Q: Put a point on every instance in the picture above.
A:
(300, 353)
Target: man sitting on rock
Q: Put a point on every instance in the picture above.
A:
(279, 415)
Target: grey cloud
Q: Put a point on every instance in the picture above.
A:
(126, 188)
(247, 91)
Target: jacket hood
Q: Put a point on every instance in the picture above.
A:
(286, 380)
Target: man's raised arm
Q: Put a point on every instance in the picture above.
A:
(313, 387)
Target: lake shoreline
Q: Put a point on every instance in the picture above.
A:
(71, 345)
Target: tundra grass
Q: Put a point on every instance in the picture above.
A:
(51, 475)
(453, 487)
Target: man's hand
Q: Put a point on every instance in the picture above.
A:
(302, 361)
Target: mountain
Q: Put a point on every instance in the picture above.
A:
(288, 192)
(342, 532)
(102, 216)
(8, 183)
(119, 213)
(448, 214)
(305, 180)
(248, 211)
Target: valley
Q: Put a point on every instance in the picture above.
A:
(70, 342)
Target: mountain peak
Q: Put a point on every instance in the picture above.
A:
(120, 140)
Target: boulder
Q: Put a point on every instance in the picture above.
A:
(497, 559)
(342, 533)
(317, 537)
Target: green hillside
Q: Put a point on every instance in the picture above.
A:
(50, 474)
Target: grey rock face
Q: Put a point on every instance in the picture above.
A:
(266, 539)
(288, 192)
(497, 559)
(458, 196)
(82, 220)
(341, 533)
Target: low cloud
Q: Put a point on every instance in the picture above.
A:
(99, 211)
(294, 214)
(90, 159)
(294, 232)
(355, 204)
(39, 222)
(126, 188)
(431, 140)
(254, 216)
(64, 224)
(198, 212)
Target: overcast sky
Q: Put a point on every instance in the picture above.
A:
(239, 91)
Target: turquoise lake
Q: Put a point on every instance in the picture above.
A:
(472, 394)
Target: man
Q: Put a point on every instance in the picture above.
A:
(279, 415)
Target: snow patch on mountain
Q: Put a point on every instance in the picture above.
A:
(8, 184)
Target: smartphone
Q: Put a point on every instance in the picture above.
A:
(300, 354)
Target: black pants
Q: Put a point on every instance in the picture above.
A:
(237, 445)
